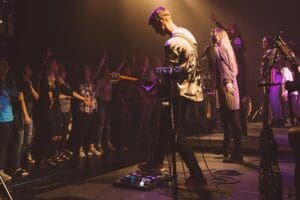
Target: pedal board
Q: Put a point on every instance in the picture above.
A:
(140, 180)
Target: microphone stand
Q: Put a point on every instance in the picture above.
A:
(167, 73)
(270, 183)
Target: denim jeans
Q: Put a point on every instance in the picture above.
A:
(103, 120)
(84, 130)
(66, 128)
(232, 128)
(144, 126)
(24, 138)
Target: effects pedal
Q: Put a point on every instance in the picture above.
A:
(142, 180)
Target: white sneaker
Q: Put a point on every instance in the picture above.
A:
(5, 176)
(94, 152)
(30, 159)
(82, 154)
(21, 173)
(68, 153)
(89, 153)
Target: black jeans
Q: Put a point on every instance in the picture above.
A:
(84, 130)
(166, 136)
(66, 125)
(6, 133)
(294, 139)
(104, 121)
(232, 128)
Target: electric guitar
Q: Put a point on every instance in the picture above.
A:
(270, 182)
(115, 77)
(290, 57)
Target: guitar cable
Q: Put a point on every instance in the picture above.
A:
(220, 176)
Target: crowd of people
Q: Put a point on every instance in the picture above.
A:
(51, 113)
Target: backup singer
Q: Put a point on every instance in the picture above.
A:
(225, 70)
(180, 50)
(276, 77)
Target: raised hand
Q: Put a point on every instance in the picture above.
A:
(103, 57)
(104, 53)
(212, 17)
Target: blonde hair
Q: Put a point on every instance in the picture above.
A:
(160, 13)
(223, 42)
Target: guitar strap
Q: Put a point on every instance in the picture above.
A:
(193, 45)
(195, 49)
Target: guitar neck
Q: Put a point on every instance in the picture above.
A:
(128, 78)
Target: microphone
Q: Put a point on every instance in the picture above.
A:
(206, 49)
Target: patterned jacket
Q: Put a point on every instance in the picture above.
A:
(226, 73)
(181, 50)
(88, 90)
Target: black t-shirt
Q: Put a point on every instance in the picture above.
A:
(24, 87)
(44, 101)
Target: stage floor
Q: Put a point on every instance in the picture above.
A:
(101, 188)
(91, 179)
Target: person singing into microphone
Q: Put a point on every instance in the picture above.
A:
(225, 70)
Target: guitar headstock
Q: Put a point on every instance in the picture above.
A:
(114, 77)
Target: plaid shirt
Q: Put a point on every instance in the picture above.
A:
(87, 90)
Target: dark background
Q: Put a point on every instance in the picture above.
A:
(79, 30)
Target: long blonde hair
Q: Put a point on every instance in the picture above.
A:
(223, 42)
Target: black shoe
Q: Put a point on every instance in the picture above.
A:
(193, 183)
(281, 123)
(148, 166)
(21, 173)
(225, 155)
(274, 123)
(51, 162)
(234, 158)
(124, 148)
(64, 156)
(58, 159)
(221, 150)
(68, 153)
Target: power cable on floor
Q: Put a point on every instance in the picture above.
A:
(220, 176)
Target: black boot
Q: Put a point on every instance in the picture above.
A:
(234, 158)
